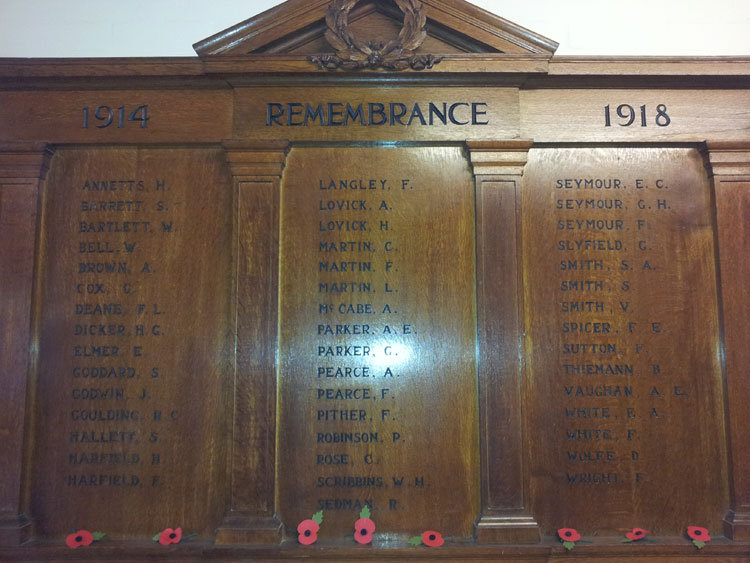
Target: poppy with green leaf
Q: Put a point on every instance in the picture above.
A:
(364, 527)
(699, 536)
(569, 537)
(429, 538)
(308, 529)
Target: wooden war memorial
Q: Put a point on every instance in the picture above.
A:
(385, 257)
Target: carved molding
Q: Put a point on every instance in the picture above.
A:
(256, 158)
(499, 158)
(728, 159)
(24, 160)
(353, 53)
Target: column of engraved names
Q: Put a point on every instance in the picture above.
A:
(653, 329)
(357, 279)
(598, 300)
(116, 327)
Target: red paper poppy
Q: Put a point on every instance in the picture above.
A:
(697, 533)
(569, 534)
(363, 530)
(170, 536)
(308, 532)
(637, 534)
(432, 539)
(79, 538)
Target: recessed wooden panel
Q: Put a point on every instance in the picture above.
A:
(131, 425)
(377, 383)
(494, 297)
(623, 377)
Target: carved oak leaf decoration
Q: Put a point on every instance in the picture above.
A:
(353, 53)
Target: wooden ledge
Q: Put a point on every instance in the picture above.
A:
(661, 549)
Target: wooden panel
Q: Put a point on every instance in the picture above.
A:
(378, 390)
(194, 335)
(498, 166)
(62, 117)
(658, 115)
(18, 208)
(662, 67)
(733, 209)
(245, 70)
(22, 167)
(370, 114)
(131, 427)
(371, 24)
(296, 18)
(251, 515)
(623, 387)
(258, 276)
(500, 331)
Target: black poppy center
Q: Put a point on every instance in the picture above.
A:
(363, 532)
(79, 538)
(307, 533)
(432, 537)
(568, 534)
(639, 533)
(697, 532)
(172, 536)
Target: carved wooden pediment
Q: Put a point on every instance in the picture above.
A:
(395, 30)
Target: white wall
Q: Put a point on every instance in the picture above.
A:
(137, 28)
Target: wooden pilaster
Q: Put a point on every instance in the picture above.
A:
(498, 168)
(22, 169)
(256, 169)
(729, 166)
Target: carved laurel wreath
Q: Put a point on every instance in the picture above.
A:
(354, 54)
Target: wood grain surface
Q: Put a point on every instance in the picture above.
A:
(494, 298)
(131, 429)
(624, 384)
(378, 396)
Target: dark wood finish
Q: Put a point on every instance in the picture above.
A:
(251, 119)
(375, 20)
(667, 550)
(130, 426)
(548, 115)
(594, 72)
(173, 116)
(235, 275)
(355, 49)
(22, 168)
(256, 176)
(623, 387)
(388, 298)
(253, 35)
(729, 166)
(498, 167)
